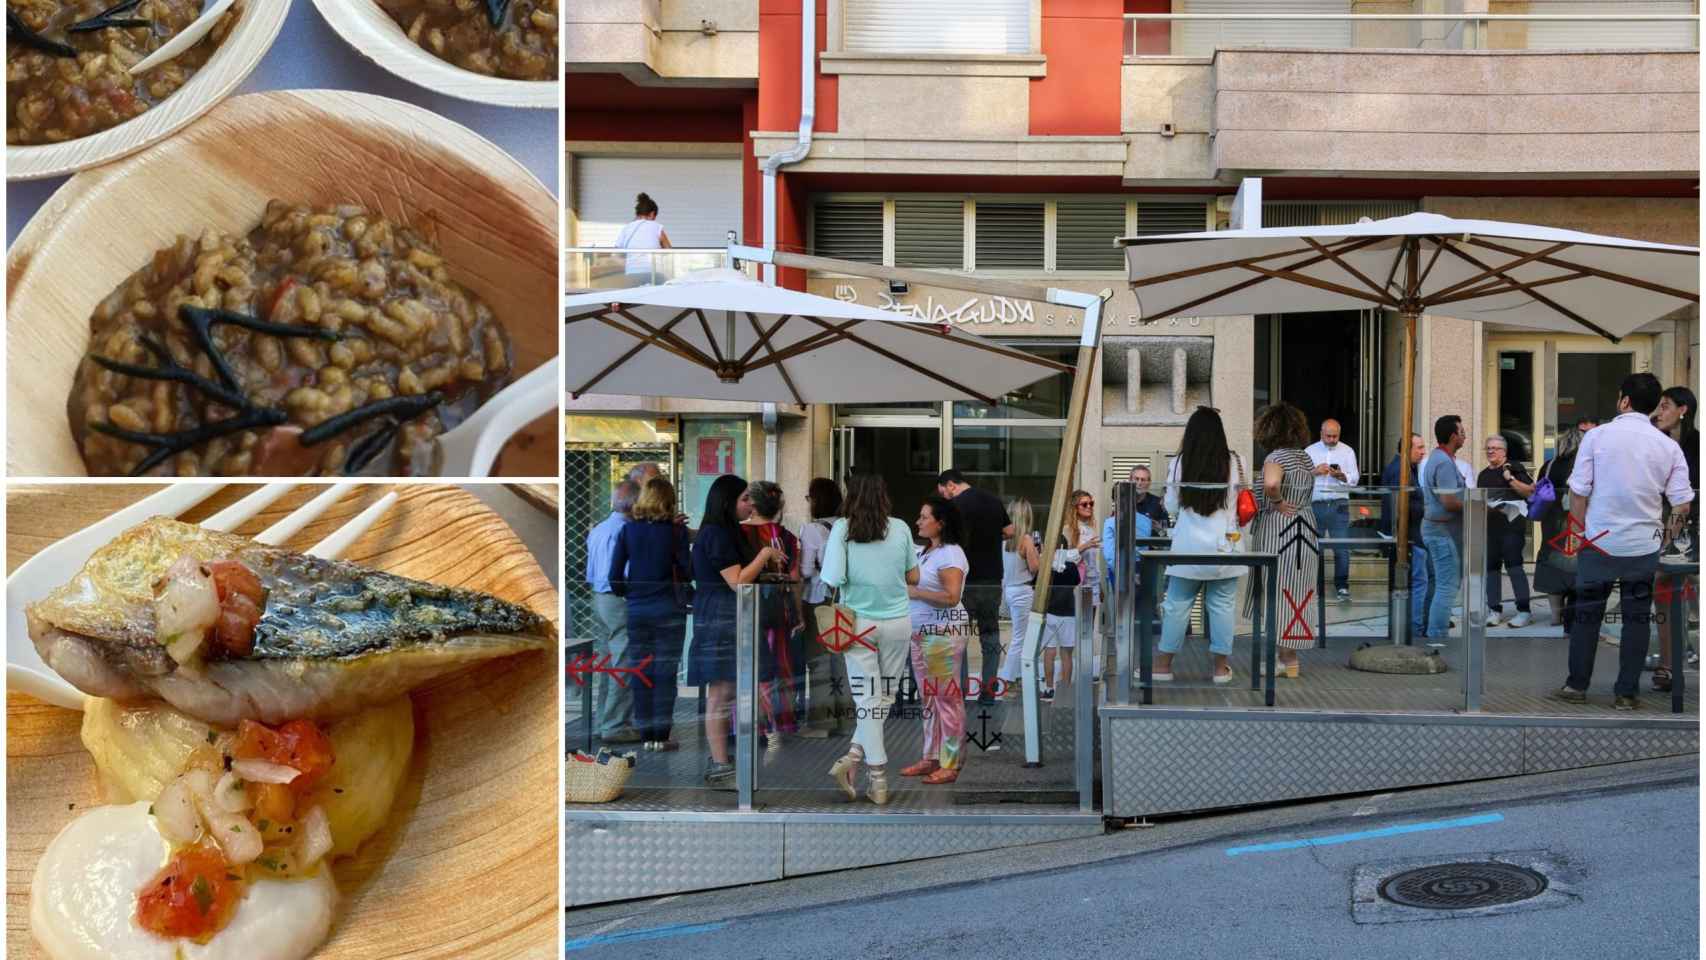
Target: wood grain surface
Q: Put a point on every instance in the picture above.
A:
(493, 221)
(376, 36)
(235, 59)
(467, 865)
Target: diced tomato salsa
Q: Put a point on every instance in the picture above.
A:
(193, 895)
(241, 598)
(299, 744)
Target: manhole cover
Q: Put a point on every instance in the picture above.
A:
(1463, 886)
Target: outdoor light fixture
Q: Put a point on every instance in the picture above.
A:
(898, 287)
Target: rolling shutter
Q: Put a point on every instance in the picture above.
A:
(930, 233)
(1200, 38)
(940, 26)
(1331, 213)
(698, 198)
(1171, 216)
(848, 230)
(1611, 34)
(1009, 236)
(1084, 232)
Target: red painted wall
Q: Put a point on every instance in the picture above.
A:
(751, 183)
(779, 68)
(1081, 94)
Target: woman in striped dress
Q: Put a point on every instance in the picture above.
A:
(1285, 524)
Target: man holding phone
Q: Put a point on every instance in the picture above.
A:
(1335, 475)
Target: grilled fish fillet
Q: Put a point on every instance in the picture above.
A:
(333, 637)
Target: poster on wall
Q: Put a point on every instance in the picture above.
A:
(711, 448)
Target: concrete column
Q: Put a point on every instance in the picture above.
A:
(1179, 380)
(1134, 380)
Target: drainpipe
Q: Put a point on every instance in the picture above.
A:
(774, 163)
(808, 114)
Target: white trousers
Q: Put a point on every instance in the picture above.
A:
(874, 677)
(1018, 598)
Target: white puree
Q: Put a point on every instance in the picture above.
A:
(83, 899)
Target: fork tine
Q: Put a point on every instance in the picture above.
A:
(333, 546)
(240, 512)
(302, 516)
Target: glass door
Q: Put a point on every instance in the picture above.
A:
(1538, 386)
(906, 454)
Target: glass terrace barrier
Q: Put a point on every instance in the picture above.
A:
(1607, 25)
(606, 268)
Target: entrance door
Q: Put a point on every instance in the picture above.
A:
(1329, 365)
(1538, 386)
(906, 454)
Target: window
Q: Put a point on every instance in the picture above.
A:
(1084, 234)
(1009, 235)
(848, 230)
(1074, 233)
(930, 233)
(940, 26)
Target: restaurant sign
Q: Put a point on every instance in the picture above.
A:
(952, 308)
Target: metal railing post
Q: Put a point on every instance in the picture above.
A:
(1083, 694)
(1124, 553)
(747, 629)
(1474, 580)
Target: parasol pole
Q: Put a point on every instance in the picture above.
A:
(1410, 310)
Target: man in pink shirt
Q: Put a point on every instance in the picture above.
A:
(1625, 471)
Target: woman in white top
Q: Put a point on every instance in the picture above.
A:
(939, 630)
(1020, 556)
(1207, 512)
(827, 699)
(643, 233)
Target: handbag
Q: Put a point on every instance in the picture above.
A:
(1246, 496)
(1544, 497)
(835, 614)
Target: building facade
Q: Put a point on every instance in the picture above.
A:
(1018, 138)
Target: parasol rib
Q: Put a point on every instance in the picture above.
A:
(1350, 246)
(764, 341)
(710, 338)
(1490, 272)
(763, 336)
(1242, 285)
(806, 345)
(1326, 285)
(971, 340)
(619, 361)
(890, 355)
(1439, 248)
(674, 344)
(1602, 274)
(1499, 287)
(589, 315)
(1379, 291)
(1539, 298)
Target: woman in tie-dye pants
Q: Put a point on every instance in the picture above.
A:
(939, 629)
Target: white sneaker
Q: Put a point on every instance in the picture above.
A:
(1521, 619)
(1493, 619)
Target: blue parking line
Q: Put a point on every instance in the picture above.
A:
(1329, 841)
(634, 936)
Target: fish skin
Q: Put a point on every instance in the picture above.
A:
(333, 638)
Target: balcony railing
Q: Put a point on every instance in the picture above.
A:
(609, 268)
(1149, 35)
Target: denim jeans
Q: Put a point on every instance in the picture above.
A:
(1445, 566)
(1421, 590)
(1504, 550)
(1595, 575)
(658, 635)
(1333, 519)
(1217, 612)
(983, 605)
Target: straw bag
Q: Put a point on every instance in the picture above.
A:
(596, 779)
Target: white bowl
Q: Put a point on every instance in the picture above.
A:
(372, 32)
(230, 65)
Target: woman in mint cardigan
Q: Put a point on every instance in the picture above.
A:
(870, 558)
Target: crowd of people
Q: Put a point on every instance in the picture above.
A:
(1606, 503)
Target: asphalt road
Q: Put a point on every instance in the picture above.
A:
(1627, 837)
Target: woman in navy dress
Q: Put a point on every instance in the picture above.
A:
(648, 567)
(721, 562)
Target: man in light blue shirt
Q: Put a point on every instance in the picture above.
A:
(613, 704)
(1442, 520)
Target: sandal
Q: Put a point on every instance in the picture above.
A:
(1661, 679)
(919, 769)
(944, 775)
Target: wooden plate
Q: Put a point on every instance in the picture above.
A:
(494, 222)
(376, 36)
(467, 865)
(229, 66)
